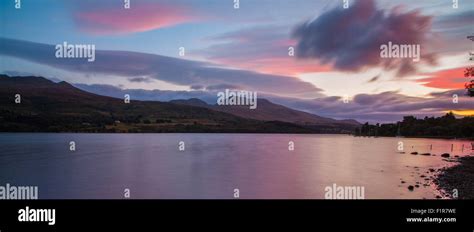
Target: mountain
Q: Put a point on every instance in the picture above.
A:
(60, 107)
(191, 102)
(268, 111)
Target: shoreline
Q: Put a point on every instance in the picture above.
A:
(458, 177)
(230, 132)
(422, 137)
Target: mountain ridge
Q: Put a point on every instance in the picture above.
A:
(269, 111)
(47, 106)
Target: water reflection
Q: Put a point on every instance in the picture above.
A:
(213, 165)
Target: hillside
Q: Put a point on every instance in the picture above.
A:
(268, 111)
(59, 107)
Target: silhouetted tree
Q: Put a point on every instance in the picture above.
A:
(469, 73)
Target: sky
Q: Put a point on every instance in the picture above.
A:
(335, 51)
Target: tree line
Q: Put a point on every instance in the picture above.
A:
(447, 126)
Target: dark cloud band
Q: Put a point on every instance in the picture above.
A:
(168, 69)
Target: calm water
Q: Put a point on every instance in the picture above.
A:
(213, 165)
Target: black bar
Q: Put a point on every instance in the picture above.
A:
(295, 215)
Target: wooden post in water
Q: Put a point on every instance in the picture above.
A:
(462, 149)
(452, 147)
(431, 147)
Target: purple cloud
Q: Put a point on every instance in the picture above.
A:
(382, 107)
(146, 95)
(140, 79)
(221, 87)
(350, 39)
(168, 69)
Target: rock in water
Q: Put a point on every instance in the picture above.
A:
(445, 155)
(411, 187)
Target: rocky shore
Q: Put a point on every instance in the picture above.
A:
(459, 177)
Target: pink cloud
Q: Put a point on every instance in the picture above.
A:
(138, 18)
(288, 66)
(445, 79)
(260, 49)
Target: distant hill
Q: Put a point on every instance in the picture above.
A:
(60, 107)
(268, 111)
